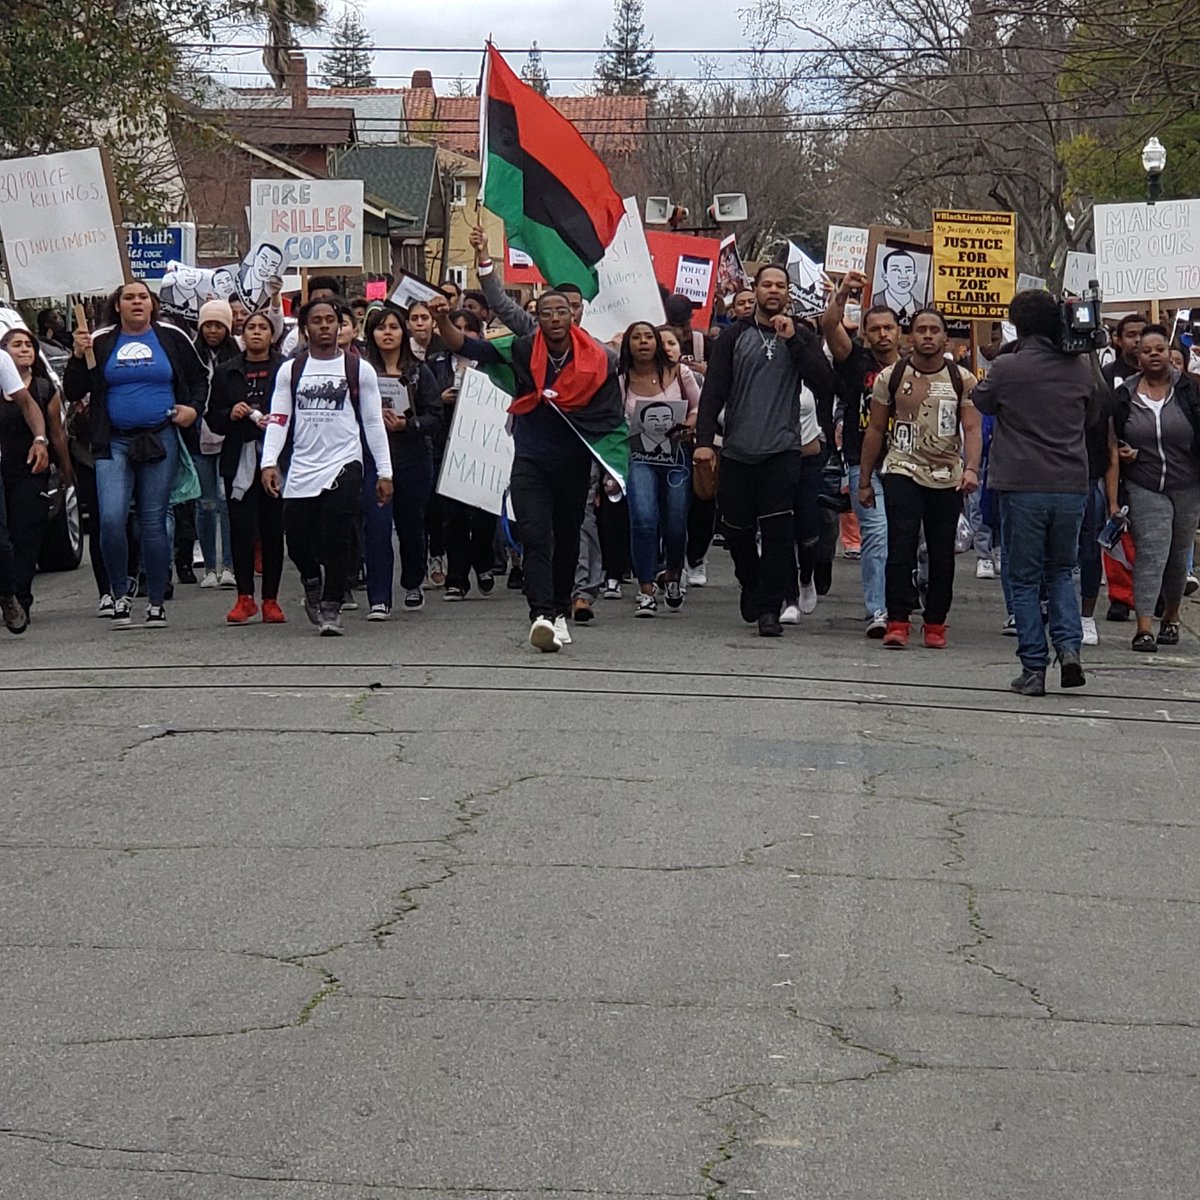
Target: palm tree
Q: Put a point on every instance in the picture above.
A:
(282, 18)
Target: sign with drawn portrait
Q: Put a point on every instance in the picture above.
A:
(654, 420)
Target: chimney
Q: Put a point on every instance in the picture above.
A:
(297, 78)
(423, 79)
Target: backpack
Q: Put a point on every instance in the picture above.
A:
(897, 377)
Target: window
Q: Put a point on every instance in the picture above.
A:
(217, 241)
(457, 275)
(458, 193)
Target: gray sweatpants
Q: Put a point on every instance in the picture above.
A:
(1163, 526)
(589, 571)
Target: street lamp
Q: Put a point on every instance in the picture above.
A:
(1154, 160)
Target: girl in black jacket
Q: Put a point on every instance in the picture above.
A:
(241, 399)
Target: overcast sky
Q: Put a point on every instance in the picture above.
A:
(552, 23)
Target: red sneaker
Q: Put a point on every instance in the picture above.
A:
(896, 635)
(242, 611)
(272, 613)
(935, 637)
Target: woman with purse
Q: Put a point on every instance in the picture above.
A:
(145, 384)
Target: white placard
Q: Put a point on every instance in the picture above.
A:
(410, 290)
(314, 222)
(693, 277)
(846, 249)
(479, 449)
(60, 235)
(1080, 271)
(1030, 283)
(1148, 251)
(806, 283)
(628, 290)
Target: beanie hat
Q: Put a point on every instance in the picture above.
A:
(216, 310)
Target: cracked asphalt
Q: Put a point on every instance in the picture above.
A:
(675, 913)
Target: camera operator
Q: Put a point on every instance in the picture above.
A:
(1043, 400)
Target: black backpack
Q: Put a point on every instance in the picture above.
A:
(897, 377)
(352, 378)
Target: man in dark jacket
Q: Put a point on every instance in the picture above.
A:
(754, 375)
(1042, 400)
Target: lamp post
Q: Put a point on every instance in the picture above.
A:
(1154, 161)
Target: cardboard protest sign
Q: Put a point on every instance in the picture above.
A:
(669, 250)
(731, 271)
(184, 288)
(1148, 251)
(806, 283)
(315, 222)
(1079, 272)
(628, 291)
(654, 417)
(899, 266)
(975, 263)
(479, 448)
(1030, 283)
(255, 272)
(411, 289)
(62, 232)
(846, 249)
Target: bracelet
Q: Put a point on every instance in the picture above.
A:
(973, 470)
(41, 439)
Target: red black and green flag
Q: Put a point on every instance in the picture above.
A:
(543, 181)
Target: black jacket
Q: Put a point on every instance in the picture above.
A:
(807, 355)
(229, 390)
(1186, 394)
(190, 382)
(417, 439)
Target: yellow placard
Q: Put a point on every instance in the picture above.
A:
(974, 264)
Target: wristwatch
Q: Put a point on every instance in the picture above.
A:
(45, 441)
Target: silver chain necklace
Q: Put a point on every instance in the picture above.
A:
(768, 346)
(558, 362)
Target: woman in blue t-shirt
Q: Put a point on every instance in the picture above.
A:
(147, 381)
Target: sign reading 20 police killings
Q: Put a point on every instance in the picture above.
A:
(974, 264)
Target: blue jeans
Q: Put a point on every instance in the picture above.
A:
(872, 522)
(1041, 543)
(412, 483)
(118, 482)
(211, 510)
(658, 504)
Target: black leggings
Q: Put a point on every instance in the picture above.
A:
(909, 506)
(319, 529)
(27, 513)
(257, 515)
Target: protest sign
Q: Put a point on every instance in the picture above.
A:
(256, 271)
(479, 449)
(151, 248)
(411, 289)
(898, 265)
(1030, 283)
(62, 233)
(1080, 271)
(519, 268)
(693, 278)
(627, 292)
(731, 271)
(654, 418)
(376, 289)
(974, 263)
(315, 222)
(184, 288)
(806, 283)
(669, 250)
(1148, 251)
(846, 249)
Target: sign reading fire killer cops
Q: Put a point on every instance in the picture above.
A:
(974, 264)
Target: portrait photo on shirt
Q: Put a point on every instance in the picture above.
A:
(901, 279)
(650, 428)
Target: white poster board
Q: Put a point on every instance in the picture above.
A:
(60, 233)
(1030, 283)
(479, 449)
(1148, 251)
(314, 222)
(628, 290)
(1080, 270)
(693, 277)
(846, 249)
(806, 283)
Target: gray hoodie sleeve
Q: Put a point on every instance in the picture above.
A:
(504, 306)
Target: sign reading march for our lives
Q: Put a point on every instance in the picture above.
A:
(1148, 251)
(479, 448)
(312, 222)
(61, 235)
(846, 249)
(628, 291)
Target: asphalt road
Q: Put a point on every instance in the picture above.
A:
(677, 912)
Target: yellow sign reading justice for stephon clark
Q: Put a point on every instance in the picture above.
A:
(974, 264)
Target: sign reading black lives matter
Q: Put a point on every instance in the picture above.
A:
(974, 263)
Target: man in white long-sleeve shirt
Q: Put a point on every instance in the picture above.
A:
(332, 399)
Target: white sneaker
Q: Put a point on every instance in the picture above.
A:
(985, 569)
(697, 576)
(542, 636)
(562, 631)
(379, 612)
(210, 580)
(877, 625)
(226, 579)
(808, 598)
(1009, 628)
(790, 615)
(612, 589)
(1091, 635)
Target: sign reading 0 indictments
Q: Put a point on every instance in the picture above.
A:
(974, 263)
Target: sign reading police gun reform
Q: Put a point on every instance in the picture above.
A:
(974, 263)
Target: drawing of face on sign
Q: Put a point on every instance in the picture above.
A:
(901, 280)
(258, 268)
(650, 429)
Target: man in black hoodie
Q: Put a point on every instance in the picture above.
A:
(754, 375)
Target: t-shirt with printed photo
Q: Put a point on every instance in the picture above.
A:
(926, 439)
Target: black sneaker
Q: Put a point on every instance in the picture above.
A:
(312, 600)
(454, 593)
(674, 594)
(1072, 669)
(823, 577)
(747, 607)
(516, 579)
(329, 619)
(414, 599)
(486, 582)
(769, 626)
(1117, 611)
(349, 604)
(122, 614)
(1168, 634)
(16, 619)
(1029, 683)
(156, 616)
(184, 573)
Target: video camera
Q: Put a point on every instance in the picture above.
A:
(1081, 326)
